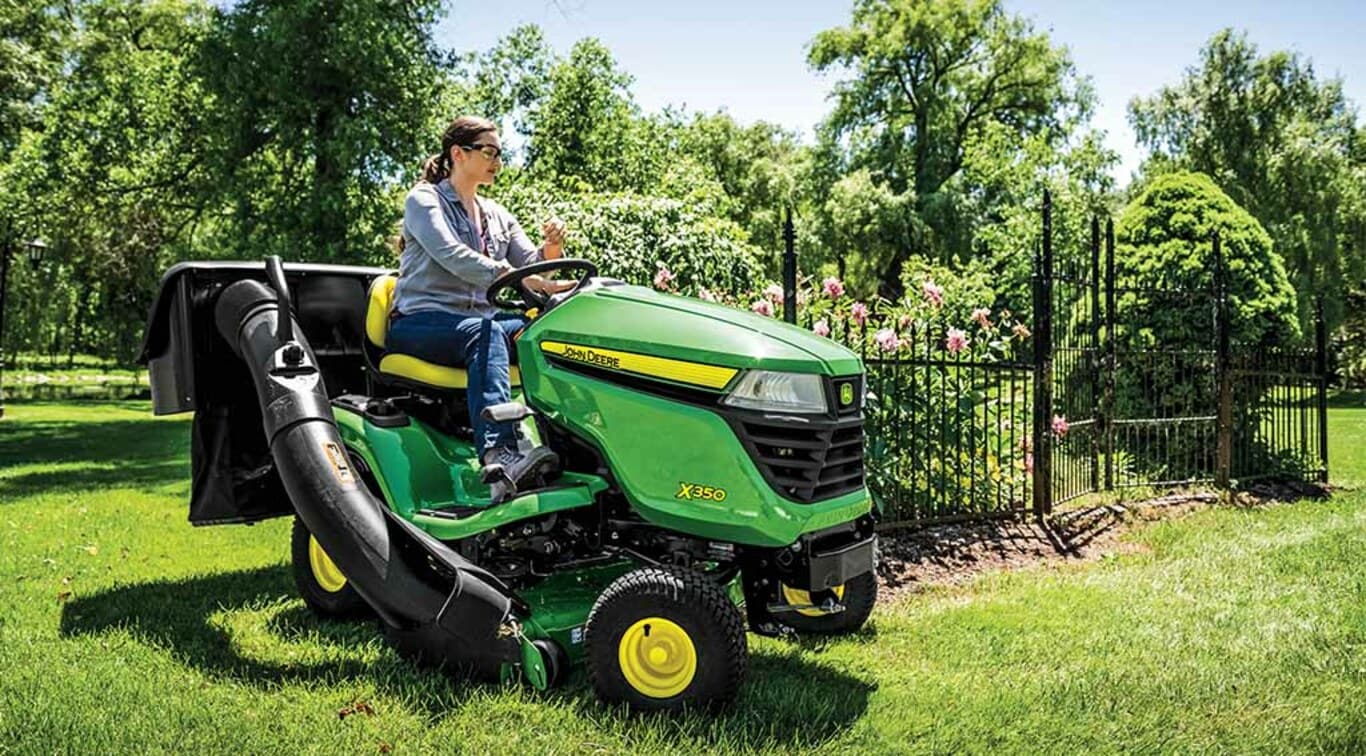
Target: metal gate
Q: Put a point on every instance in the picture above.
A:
(1120, 405)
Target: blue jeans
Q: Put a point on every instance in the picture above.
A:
(483, 346)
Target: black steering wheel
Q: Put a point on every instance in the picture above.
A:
(516, 278)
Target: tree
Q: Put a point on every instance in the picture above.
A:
(758, 167)
(1165, 272)
(1282, 143)
(507, 81)
(324, 110)
(32, 35)
(110, 174)
(926, 78)
(588, 133)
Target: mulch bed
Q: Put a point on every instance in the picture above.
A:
(912, 560)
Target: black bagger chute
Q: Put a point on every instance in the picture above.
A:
(435, 606)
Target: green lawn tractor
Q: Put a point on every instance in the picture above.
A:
(710, 475)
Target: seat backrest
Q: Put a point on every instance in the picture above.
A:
(381, 300)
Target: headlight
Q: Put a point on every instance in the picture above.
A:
(778, 392)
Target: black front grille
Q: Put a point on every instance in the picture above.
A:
(809, 461)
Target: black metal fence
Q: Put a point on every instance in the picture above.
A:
(1094, 404)
(947, 434)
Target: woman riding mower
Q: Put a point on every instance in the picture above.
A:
(454, 244)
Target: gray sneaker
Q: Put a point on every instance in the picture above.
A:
(508, 470)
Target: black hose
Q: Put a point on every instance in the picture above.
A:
(436, 606)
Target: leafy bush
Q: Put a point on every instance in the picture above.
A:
(1163, 243)
(640, 239)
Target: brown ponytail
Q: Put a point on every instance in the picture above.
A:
(462, 131)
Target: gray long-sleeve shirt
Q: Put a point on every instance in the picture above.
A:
(441, 267)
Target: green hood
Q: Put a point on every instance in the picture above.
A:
(640, 320)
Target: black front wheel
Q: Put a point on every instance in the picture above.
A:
(324, 588)
(666, 639)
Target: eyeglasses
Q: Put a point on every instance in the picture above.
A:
(487, 150)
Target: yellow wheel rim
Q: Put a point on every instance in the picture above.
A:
(657, 657)
(325, 572)
(799, 597)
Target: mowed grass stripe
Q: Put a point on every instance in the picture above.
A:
(1229, 630)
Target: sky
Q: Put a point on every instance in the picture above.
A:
(749, 56)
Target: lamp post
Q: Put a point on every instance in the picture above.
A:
(36, 248)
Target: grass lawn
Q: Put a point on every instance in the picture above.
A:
(123, 629)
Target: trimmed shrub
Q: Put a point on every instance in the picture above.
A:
(1165, 325)
(1163, 243)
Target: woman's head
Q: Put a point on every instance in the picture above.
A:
(470, 150)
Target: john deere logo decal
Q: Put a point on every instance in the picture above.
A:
(592, 357)
(847, 394)
(665, 368)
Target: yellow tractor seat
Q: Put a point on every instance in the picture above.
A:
(406, 368)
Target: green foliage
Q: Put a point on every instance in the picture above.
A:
(32, 35)
(110, 179)
(1164, 243)
(925, 80)
(870, 217)
(1007, 206)
(759, 169)
(1165, 268)
(1347, 350)
(587, 133)
(1283, 143)
(318, 106)
(505, 81)
(634, 237)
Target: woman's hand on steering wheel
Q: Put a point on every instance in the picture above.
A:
(535, 289)
(548, 286)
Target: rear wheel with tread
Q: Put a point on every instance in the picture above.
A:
(324, 589)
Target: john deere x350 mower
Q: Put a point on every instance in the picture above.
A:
(710, 473)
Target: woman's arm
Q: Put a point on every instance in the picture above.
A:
(422, 215)
(520, 250)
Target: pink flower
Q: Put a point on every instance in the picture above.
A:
(1020, 330)
(1059, 426)
(859, 313)
(982, 315)
(663, 278)
(833, 287)
(934, 294)
(763, 307)
(903, 322)
(956, 342)
(1029, 464)
(775, 293)
(887, 340)
(704, 294)
(821, 328)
